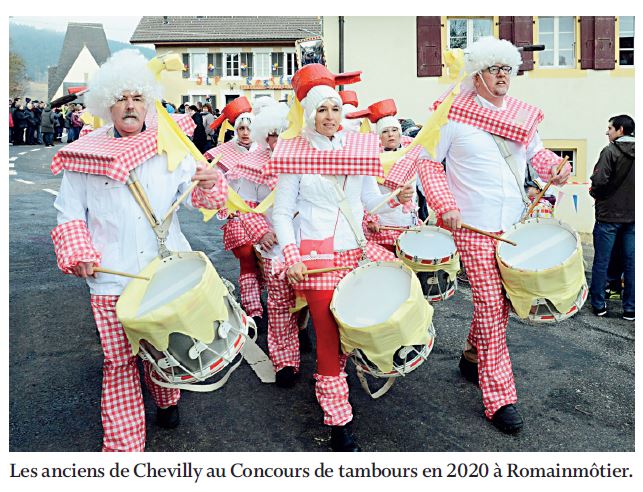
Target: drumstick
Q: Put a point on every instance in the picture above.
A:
(135, 193)
(542, 192)
(394, 228)
(393, 194)
(189, 190)
(488, 234)
(325, 270)
(134, 177)
(122, 274)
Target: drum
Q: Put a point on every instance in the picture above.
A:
(544, 275)
(431, 252)
(388, 331)
(184, 321)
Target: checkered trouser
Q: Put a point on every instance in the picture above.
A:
(332, 395)
(122, 410)
(283, 331)
(490, 315)
(250, 293)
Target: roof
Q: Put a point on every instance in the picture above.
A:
(221, 29)
(78, 35)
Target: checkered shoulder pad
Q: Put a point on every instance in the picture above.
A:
(518, 122)
(404, 169)
(231, 155)
(251, 167)
(360, 156)
(185, 121)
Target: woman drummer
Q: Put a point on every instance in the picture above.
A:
(324, 233)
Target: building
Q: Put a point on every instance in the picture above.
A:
(584, 76)
(227, 56)
(84, 50)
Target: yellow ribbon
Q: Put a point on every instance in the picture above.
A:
(172, 140)
(90, 119)
(365, 127)
(296, 119)
(222, 131)
(429, 135)
(171, 62)
(235, 203)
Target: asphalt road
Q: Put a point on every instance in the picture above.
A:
(575, 379)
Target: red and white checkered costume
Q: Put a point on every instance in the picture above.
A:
(232, 153)
(283, 331)
(122, 409)
(470, 158)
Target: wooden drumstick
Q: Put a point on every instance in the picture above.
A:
(176, 204)
(488, 234)
(326, 270)
(393, 194)
(122, 274)
(394, 228)
(542, 192)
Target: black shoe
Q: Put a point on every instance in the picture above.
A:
(341, 439)
(600, 312)
(628, 315)
(305, 343)
(507, 419)
(167, 418)
(469, 370)
(286, 377)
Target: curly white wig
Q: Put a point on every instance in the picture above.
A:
(272, 119)
(125, 70)
(488, 51)
(262, 102)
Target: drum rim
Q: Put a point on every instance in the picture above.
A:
(435, 261)
(517, 225)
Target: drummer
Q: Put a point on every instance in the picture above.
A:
(325, 237)
(382, 114)
(100, 223)
(480, 190)
(239, 114)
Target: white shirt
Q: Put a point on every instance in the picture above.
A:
(479, 178)
(315, 198)
(117, 224)
(395, 216)
(248, 190)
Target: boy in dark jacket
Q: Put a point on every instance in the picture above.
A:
(613, 189)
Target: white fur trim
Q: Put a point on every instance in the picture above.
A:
(387, 122)
(272, 118)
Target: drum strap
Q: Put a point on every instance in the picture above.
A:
(513, 164)
(380, 392)
(345, 208)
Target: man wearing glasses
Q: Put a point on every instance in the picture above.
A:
(483, 189)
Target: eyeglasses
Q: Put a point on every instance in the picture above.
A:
(495, 70)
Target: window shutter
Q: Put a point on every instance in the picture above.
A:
(506, 28)
(604, 54)
(524, 35)
(429, 46)
(186, 65)
(586, 42)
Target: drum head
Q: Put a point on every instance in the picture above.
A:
(175, 276)
(370, 295)
(541, 245)
(427, 243)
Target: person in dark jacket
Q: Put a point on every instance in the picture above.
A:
(613, 189)
(199, 136)
(20, 118)
(47, 126)
(32, 124)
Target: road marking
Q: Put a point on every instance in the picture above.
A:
(35, 150)
(12, 172)
(55, 193)
(22, 153)
(11, 159)
(11, 164)
(24, 181)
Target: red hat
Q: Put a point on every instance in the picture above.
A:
(375, 111)
(314, 74)
(349, 97)
(232, 110)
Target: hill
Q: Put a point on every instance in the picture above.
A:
(40, 48)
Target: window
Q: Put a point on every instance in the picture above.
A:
(626, 41)
(569, 153)
(186, 65)
(231, 65)
(262, 65)
(277, 64)
(185, 99)
(291, 64)
(463, 32)
(247, 67)
(215, 64)
(558, 34)
(199, 65)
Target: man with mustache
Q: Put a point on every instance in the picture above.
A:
(481, 188)
(101, 224)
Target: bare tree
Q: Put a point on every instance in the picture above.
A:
(17, 75)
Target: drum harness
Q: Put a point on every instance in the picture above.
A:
(513, 164)
(161, 230)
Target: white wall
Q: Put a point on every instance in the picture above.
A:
(81, 71)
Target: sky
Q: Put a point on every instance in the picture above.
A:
(116, 28)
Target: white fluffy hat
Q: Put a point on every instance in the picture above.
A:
(271, 119)
(488, 51)
(125, 70)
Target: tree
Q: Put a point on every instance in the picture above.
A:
(17, 75)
